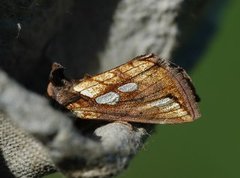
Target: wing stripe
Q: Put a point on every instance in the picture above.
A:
(126, 111)
(147, 117)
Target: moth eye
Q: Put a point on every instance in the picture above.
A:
(129, 87)
(109, 98)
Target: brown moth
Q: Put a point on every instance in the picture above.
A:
(146, 89)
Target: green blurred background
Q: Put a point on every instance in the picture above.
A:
(209, 147)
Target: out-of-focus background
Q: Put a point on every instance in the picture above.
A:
(209, 147)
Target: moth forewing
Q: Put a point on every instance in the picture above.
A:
(146, 89)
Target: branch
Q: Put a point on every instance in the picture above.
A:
(70, 150)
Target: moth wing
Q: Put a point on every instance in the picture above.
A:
(146, 89)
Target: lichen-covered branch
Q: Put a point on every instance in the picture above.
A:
(108, 153)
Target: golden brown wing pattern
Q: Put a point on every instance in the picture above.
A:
(146, 89)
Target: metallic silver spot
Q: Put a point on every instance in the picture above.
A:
(161, 102)
(110, 98)
(171, 106)
(129, 87)
(87, 93)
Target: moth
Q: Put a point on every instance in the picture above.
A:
(146, 89)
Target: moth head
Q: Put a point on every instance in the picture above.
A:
(57, 76)
(59, 87)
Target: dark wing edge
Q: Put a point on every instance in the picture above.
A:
(184, 82)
